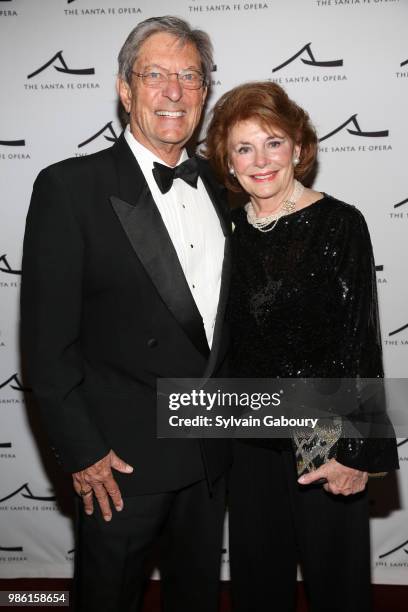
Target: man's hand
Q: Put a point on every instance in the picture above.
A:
(341, 480)
(97, 479)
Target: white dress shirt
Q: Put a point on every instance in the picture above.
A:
(194, 229)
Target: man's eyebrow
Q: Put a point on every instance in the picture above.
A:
(191, 67)
(154, 66)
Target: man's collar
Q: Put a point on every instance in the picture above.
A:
(143, 154)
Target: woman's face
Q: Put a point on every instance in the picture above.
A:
(262, 160)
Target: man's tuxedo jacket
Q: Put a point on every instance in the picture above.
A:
(106, 311)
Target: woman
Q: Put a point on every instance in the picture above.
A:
(303, 304)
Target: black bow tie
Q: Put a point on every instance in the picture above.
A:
(164, 175)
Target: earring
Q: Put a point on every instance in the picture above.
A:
(296, 160)
(232, 171)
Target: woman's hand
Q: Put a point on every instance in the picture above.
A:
(340, 479)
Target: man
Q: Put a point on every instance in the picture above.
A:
(124, 282)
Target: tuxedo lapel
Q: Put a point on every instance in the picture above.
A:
(147, 233)
(217, 194)
(220, 317)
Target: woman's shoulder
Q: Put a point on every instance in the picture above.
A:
(343, 209)
(344, 214)
(238, 215)
(346, 221)
(328, 209)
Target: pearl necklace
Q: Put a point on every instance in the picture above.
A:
(288, 206)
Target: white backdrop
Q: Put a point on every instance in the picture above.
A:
(345, 61)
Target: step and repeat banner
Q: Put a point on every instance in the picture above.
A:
(344, 61)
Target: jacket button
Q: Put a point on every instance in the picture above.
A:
(152, 342)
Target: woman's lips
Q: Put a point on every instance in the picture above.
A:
(264, 177)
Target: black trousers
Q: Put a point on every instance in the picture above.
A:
(274, 524)
(111, 558)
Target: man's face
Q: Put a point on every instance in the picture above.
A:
(163, 119)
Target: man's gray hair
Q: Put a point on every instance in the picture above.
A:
(168, 24)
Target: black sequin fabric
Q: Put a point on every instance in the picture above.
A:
(303, 303)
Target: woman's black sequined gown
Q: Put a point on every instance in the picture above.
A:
(303, 303)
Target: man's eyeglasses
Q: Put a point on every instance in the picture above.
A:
(188, 79)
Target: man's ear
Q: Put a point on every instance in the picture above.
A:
(205, 92)
(125, 93)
